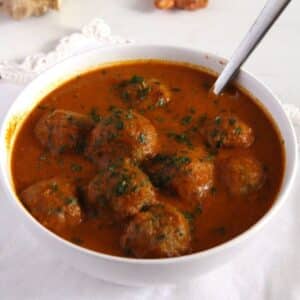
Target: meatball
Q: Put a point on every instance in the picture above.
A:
(182, 4)
(161, 231)
(122, 133)
(190, 173)
(63, 131)
(242, 174)
(124, 186)
(141, 93)
(54, 203)
(227, 130)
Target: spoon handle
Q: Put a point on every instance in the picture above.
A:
(263, 23)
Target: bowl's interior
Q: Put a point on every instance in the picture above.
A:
(93, 59)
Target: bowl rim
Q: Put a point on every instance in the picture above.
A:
(250, 232)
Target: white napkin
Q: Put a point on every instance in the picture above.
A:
(268, 269)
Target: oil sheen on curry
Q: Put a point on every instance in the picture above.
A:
(135, 159)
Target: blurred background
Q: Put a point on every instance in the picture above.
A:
(218, 28)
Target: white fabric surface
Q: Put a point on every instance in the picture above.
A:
(268, 269)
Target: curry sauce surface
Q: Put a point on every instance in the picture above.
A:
(222, 216)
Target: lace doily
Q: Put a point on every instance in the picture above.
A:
(94, 35)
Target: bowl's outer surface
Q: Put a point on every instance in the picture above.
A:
(123, 270)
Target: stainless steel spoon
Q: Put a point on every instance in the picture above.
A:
(261, 26)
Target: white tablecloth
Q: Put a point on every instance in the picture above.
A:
(268, 269)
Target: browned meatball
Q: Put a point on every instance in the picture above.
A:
(189, 172)
(242, 174)
(63, 131)
(54, 203)
(183, 4)
(140, 93)
(227, 130)
(161, 231)
(122, 133)
(124, 186)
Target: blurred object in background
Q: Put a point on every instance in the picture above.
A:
(19, 9)
(182, 4)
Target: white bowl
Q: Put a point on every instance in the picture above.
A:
(139, 272)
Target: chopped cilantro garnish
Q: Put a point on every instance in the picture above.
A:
(143, 92)
(122, 186)
(62, 149)
(181, 138)
(54, 187)
(77, 240)
(160, 237)
(238, 130)
(186, 120)
(192, 110)
(209, 157)
(43, 157)
(135, 79)
(161, 102)
(213, 190)
(129, 115)
(220, 230)
(142, 138)
(95, 115)
(175, 89)
(125, 96)
(218, 120)
(232, 121)
(71, 201)
(119, 124)
(76, 167)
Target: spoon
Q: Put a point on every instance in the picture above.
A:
(261, 26)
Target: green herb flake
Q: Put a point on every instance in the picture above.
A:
(192, 110)
(186, 120)
(160, 119)
(161, 102)
(206, 85)
(71, 201)
(143, 92)
(129, 115)
(197, 210)
(94, 115)
(178, 161)
(62, 149)
(220, 230)
(76, 240)
(238, 130)
(135, 79)
(218, 120)
(202, 118)
(208, 157)
(119, 124)
(213, 190)
(125, 96)
(43, 157)
(189, 216)
(54, 187)
(55, 211)
(180, 138)
(142, 138)
(76, 167)
(122, 187)
(232, 121)
(160, 237)
(42, 107)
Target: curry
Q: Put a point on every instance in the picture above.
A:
(136, 159)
